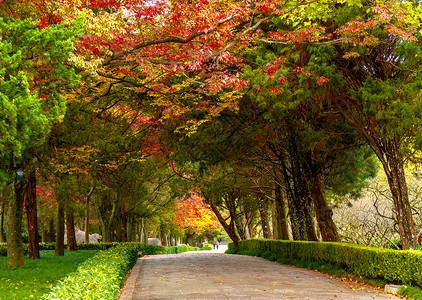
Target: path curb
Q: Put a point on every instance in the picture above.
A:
(129, 286)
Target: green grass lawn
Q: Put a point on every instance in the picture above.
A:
(37, 277)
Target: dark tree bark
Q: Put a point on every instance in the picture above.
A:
(123, 221)
(230, 227)
(106, 213)
(323, 212)
(394, 170)
(130, 229)
(87, 211)
(70, 229)
(241, 226)
(143, 231)
(15, 255)
(281, 228)
(262, 205)
(86, 227)
(295, 211)
(1, 222)
(163, 236)
(59, 251)
(32, 216)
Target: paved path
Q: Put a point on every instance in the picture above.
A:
(225, 276)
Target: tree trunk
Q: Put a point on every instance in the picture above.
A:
(124, 221)
(32, 216)
(281, 229)
(323, 212)
(266, 230)
(59, 251)
(106, 216)
(70, 229)
(240, 225)
(15, 255)
(86, 237)
(309, 220)
(302, 193)
(398, 187)
(229, 228)
(87, 209)
(143, 231)
(51, 231)
(163, 236)
(1, 222)
(129, 229)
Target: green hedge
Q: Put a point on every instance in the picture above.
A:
(97, 278)
(102, 276)
(146, 249)
(393, 265)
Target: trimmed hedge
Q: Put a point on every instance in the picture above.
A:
(147, 249)
(393, 265)
(102, 276)
(97, 278)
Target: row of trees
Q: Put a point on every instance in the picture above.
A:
(130, 105)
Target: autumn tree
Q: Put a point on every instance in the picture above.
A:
(370, 70)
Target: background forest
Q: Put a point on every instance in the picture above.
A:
(185, 119)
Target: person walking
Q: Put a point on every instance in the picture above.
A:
(216, 244)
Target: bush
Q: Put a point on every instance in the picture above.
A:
(99, 277)
(393, 265)
(102, 276)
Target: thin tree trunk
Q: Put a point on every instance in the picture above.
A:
(86, 237)
(241, 227)
(106, 217)
(294, 209)
(281, 220)
(124, 222)
(51, 236)
(59, 251)
(229, 228)
(31, 216)
(163, 236)
(15, 255)
(1, 222)
(87, 210)
(265, 224)
(70, 229)
(309, 219)
(144, 231)
(129, 229)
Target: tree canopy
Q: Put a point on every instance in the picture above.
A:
(266, 112)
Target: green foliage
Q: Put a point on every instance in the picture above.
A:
(392, 265)
(102, 276)
(38, 276)
(411, 292)
(99, 277)
(31, 65)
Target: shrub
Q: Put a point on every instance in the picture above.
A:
(102, 276)
(97, 278)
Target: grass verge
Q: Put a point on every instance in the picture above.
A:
(38, 276)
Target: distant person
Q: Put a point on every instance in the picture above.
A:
(213, 246)
(216, 244)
